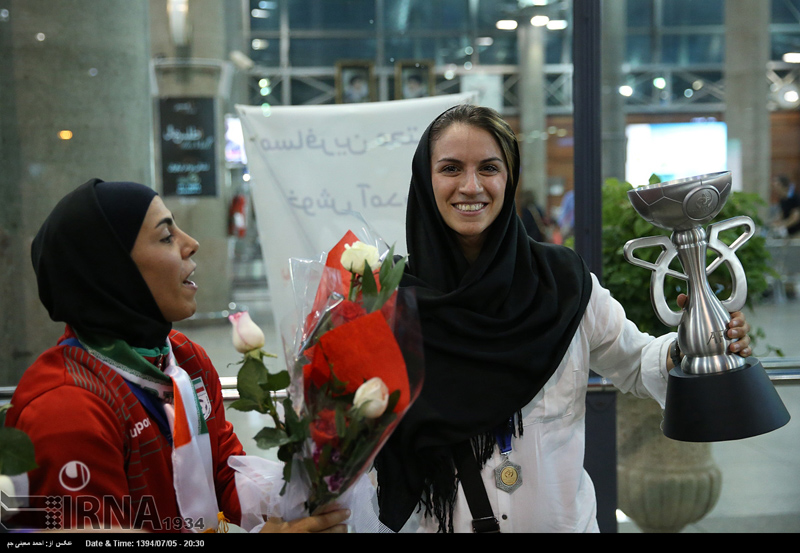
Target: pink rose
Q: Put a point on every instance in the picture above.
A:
(246, 334)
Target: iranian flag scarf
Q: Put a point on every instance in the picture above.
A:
(191, 445)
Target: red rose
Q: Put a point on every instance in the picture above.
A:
(323, 428)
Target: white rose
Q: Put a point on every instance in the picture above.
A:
(7, 485)
(246, 334)
(354, 256)
(9, 492)
(372, 397)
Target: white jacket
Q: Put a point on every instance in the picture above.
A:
(557, 494)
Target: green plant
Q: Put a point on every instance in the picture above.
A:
(16, 449)
(630, 285)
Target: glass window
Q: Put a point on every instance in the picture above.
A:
(417, 15)
(442, 50)
(559, 91)
(700, 89)
(265, 52)
(328, 15)
(555, 47)
(270, 94)
(490, 12)
(786, 11)
(264, 15)
(304, 92)
(313, 52)
(692, 12)
(781, 43)
(640, 13)
(499, 49)
(689, 49)
(639, 49)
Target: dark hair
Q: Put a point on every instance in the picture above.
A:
(488, 120)
(783, 181)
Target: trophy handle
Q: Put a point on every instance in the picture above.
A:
(660, 270)
(727, 255)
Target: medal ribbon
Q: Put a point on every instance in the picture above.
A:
(502, 435)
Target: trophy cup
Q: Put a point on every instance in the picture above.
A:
(713, 395)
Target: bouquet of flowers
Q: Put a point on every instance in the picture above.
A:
(354, 368)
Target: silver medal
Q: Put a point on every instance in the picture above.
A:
(508, 476)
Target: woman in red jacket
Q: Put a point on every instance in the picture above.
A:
(125, 414)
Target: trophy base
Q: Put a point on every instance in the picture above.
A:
(730, 405)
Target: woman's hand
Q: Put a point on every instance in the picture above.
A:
(328, 523)
(738, 329)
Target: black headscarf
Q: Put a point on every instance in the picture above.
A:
(494, 332)
(84, 270)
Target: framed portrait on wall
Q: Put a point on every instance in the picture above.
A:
(355, 82)
(413, 79)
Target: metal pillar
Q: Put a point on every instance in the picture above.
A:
(74, 105)
(600, 460)
(746, 92)
(532, 110)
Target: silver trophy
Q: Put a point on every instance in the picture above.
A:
(713, 395)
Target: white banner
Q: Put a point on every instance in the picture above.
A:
(312, 167)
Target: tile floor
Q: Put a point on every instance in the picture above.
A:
(761, 475)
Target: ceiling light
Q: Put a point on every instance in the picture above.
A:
(539, 20)
(506, 24)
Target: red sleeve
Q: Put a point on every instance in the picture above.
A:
(79, 450)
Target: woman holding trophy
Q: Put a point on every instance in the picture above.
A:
(511, 329)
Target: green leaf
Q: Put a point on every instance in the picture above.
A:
(247, 405)
(287, 474)
(268, 438)
(277, 381)
(334, 386)
(16, 452)
(311, 468)
(248, 382)
(341, 423)
(387, 264)
(323, 460)
(394, 397)
(368, 286)
(286, 452)
(392, 279)
(296, 427)
(3, 410)
(389, 277)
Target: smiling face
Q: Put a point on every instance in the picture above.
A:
(469, 177)
(163, 252)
